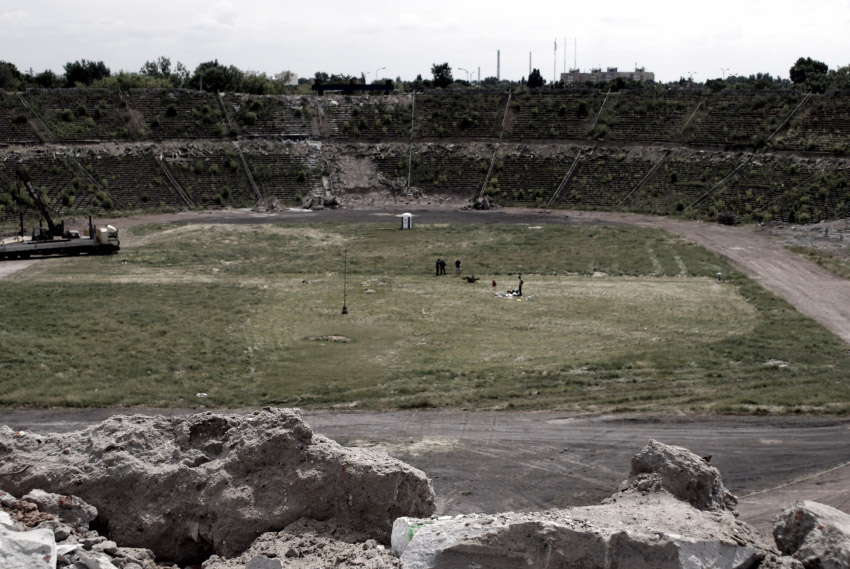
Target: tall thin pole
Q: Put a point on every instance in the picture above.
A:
(565, 54)
(410, 145)
(344, 281)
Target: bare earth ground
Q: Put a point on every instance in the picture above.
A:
(499, 461)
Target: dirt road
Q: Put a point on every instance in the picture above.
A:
(812, 290)
(9, 267)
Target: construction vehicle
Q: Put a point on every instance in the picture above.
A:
(55, 239)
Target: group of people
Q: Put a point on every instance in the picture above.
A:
(441, 267)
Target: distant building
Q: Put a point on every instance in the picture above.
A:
(640, 74)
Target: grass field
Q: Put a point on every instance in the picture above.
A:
(614, 319)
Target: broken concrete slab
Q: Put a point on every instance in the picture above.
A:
(308, 544)
(90, 559)
(684, 474)
(673, 512)
(651, 531)
(33, 549)
(70, 509)
(263, 562)
(192, 486)
(815, 534)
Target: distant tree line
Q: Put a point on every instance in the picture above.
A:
(806, 74)
(157, 74)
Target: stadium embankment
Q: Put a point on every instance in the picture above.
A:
(141, 176)
(759, 155)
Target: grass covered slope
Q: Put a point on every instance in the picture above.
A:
(613, 318)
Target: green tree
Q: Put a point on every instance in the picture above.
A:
(84, 72)
(162, 69)
(10, 77)
(840, 78)
(535, 79)
(619, 83)
(442, 75)
(258, 83)
(715, 85)
(47, 79)
(341, 78)
(805, 69)
(811, 74)
(125, 80)
(212, 76)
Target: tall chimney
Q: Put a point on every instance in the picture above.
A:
(498, 65)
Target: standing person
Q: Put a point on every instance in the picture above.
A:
(457, 267)
(442, 266)
(438, 267)
(519, 290)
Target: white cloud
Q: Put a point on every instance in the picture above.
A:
(14, 17)
(222, 15)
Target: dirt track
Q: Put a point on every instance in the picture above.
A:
(526, 461)
(812, 290)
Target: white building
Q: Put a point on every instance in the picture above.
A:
(640, 74)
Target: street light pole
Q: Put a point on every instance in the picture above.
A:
(376, 72)
(344, 280)
(724, 70)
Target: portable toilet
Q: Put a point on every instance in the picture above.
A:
(406, 220)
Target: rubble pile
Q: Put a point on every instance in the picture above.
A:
(262, 491)
(43, 530)
(190, 487)
(815, 534)
(309, 544)
(672, 513)
(644, 525)
(683, 474)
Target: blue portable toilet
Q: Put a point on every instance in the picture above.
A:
(406, 220)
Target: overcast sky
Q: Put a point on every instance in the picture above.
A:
(672, 38)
